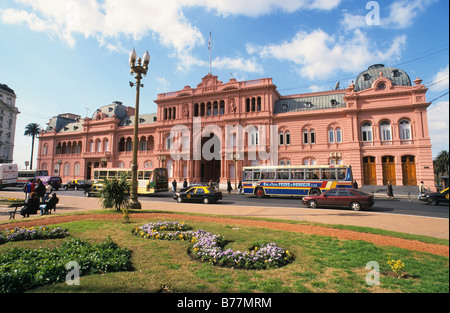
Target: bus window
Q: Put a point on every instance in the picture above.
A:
(341, 173)
(329, 173)
(112, 174)
(248, 175)
(140, 175)
(267, 174)
(283, 174)
(103, 174)
(297, 174)
(256, 176)
(147, 175)
(312, 174)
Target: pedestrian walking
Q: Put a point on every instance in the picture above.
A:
(229, 188)
(40, 190)
(390, 191)
(355, 184)
(240, 188)
(48, 191)
(185, 183)
(174, 186)
(421, 189)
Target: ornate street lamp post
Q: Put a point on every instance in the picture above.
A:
(139, 71)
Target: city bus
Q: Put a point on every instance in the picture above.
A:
(25, 175)
(8, 175)
(288, 180)
(149, 181)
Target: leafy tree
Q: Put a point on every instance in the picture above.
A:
(32, 130)
(440, 164)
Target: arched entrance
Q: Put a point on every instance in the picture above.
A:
(370, 175)
(409, 170)
(388, 166)
(211, 162)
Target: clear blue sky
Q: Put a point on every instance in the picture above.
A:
(68, 55)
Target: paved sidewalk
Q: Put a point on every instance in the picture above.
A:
(427, 226)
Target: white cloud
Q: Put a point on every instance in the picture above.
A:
(438, 121)
(401, 14)
(440, 81)
(250, 65)
(318, 54)
(256, 8)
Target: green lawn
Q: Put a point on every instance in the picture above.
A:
(322, 264)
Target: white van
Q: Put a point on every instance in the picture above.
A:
(8, 175)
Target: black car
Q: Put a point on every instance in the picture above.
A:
(203, 194)
(77, 184)
(434, 198)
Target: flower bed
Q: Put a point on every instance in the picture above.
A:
(208, 247)
(18, 234)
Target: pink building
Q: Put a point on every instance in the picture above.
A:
(378, 125)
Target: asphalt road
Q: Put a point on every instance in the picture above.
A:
(397, 206)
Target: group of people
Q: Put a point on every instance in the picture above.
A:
(390, 191)
(38, 197)
(185, 185)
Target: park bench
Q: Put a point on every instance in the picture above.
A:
(17, 205)
(12, 214)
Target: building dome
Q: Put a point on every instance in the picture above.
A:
(366, 78)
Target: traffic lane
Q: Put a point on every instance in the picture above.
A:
(382, 205)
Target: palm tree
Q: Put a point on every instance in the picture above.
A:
(32, 130)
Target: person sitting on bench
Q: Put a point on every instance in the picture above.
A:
(31, 206)
(47, 207)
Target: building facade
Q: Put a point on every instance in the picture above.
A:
(8, 117)
(378, 125)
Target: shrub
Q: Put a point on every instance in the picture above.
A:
(22, 269)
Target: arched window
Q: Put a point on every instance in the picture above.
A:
(150, 143)
(66, 169)
(312, 137)
(385, 131)
(129, 145)
(305, 137)
(405, 130)
(366, 131)
(98, 145)
(143, 144)
(106, 145)
(287, 138)
(91, 146)
(122, 144)
(281, 138)
(76, 169)
(331, 135)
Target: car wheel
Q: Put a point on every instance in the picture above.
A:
(205, 200)
(86, 194)
(65, 187)
(179, 199)
(312, 204)
(432, 201)
(355, 206)
(260, 193)
(76, 188)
